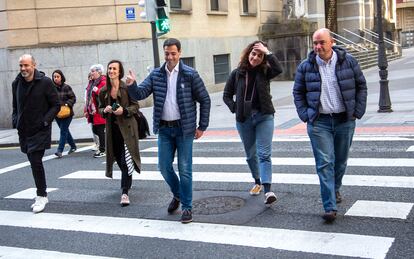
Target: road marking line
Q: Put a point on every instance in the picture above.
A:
(380, 209)
(369, 162)
(8, 252)
(410, 149)
(29, 193)
(150, 149)
(283, 239)
(232, 139)
(46, 158)
(348, 180)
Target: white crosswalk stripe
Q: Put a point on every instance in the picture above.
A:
(349, 180)
(291, 240)
(19, 253)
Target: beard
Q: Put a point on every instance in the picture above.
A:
(25, 74)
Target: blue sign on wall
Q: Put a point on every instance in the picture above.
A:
(130, 13)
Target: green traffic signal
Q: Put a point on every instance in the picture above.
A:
(163, 25)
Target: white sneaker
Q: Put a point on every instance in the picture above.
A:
(270, 198)
(40, 203)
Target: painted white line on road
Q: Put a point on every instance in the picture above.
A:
(46, 158)
(232, 139)
(380, 209)
(283, 239)
(150, 149)
(410, 149)
(366, 162)
(28, 193)
(348, 180)
(8, 252)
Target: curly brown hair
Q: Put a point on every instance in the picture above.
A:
(244, 63)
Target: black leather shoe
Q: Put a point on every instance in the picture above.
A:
(329, 216)
(338, 197)
(187, 216)
(174, 204)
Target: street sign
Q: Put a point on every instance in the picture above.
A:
(130, 13)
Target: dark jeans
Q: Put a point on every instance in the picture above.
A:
(35, 159)
(65, 135)
(99, 130)
(119, 153)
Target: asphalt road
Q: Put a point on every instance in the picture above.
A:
(228, 222)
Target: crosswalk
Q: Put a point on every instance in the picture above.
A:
(380, 192)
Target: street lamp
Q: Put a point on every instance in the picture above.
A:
(384, 98)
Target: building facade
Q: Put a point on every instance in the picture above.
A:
(405, 21)
(73, 35)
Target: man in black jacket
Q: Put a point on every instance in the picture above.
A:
(35, 105)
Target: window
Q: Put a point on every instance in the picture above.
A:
(189, 61)
(245, 6)
(221, 68)
(214, 5)
(175, 4)
(248, 7)
(180, 6)
(217, 7)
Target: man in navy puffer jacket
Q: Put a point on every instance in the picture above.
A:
(176, 89)
(330, 92)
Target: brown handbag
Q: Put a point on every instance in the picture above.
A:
(64, 112)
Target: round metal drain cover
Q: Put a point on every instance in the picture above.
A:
(217, 205)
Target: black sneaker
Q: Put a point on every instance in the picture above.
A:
(174, 204)
(73, 149)
(58, 154)
(187, 216)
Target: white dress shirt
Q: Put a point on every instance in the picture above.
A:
(331, 96)
(171, 112)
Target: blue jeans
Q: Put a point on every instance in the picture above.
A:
(171, 139)
(65, 135)
(331, 140)
(256, 134)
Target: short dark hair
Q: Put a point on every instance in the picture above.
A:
(171, 42)
(63, 80)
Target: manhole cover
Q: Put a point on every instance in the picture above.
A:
(217, 205)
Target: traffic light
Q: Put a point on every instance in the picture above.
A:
(162, 22)
(156, 11)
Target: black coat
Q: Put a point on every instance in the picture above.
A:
(35, 105)
(235, 86)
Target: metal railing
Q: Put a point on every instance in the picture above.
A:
(375, 35)
(364, 39)
(343, 40)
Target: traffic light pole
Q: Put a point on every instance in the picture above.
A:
(155, 44)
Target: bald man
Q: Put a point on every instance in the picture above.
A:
(35, 105)
(330, 93)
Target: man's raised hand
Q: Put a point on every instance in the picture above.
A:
(130, 78)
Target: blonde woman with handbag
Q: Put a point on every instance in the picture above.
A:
(67, 99)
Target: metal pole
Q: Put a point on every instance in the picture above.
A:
(384, 98)
(155, 44)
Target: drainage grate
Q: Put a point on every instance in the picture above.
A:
(217, 205)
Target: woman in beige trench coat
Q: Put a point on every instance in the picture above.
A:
(121, 127)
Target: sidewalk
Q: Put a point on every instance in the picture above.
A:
(400, 122)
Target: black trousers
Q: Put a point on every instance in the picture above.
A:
(35, 159)
(119, 153)
(99, 130)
